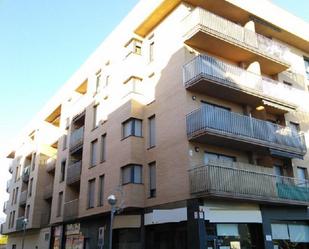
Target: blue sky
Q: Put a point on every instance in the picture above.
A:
(42, 43)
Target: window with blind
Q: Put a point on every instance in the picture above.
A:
(101, 191)
(93, 153)
(152, 180)
(132, 127)
(152, 131)
(103, 148)
(91, 189)
(131, 174)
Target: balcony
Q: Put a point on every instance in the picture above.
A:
(71, 210)
(73, 173)
(219, 79)
(5, 205)
(23, 198)
(51, 165)
(8, 184)
(45, 218)
(26, 174)
(219, 180)
(221, 127)
(11, 167)
(212, 33)
(20, 223)
(48, 191)
(76, 138)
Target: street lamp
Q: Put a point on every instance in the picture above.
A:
(112, 200)
(24, 222)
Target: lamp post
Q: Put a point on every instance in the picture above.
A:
(112, 200)
(25, 222)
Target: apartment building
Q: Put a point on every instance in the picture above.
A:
(195, 114)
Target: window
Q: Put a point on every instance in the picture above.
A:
(152, 131)
(93, 153)
(65, 141)
(132, 174)
(151, 51)
(98, 82)
(33, 161)
(152, 180)
(59, 207)
(278, 173)
(302, 176)
(101, 191)
(13, 219)
(95, 116)
(227, 230)
(16, 195)
(209, 157)
(132, 127)
(103, 148)
(27, 211)
(107, 81)
(134, 46)
(62, 170)
(17, 176)
(295, 127)
(30, 187)
(14, 246)
(13, 197)
(215, 105)
(91, 189)
(306, 60)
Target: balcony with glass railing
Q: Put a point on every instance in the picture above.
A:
(71, 210)
(234, 181)
(26, 173)
(212, 33)
(76, 138)
(215, 125)
(73, 173)
(220, 79)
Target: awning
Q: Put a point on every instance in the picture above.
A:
(284, 154)
(277, 106)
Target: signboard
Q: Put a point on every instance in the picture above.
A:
(71, 229)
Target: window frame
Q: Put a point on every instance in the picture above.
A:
(101, 184)
(152, 128)
(152, 191)
(132, 174)
(103, 148)
(91, 193)
(93, 153)
(133, 128)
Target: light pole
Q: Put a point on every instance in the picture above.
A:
(25, 222)
(112, 200)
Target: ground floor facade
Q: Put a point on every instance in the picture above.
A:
(191, 224)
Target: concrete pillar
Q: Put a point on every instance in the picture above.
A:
(196, 231)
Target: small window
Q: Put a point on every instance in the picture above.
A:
(152, 131)
(151, 51)
(134, 46)
(16, 195)
(132, 127)
(91, 189)
(152, 180)
(103, 148)
(27, 211)
(62, 170)
(65, 142)
(132, 174)
(30, 187)
(95, 116)
(33, 161)
(107, 81)
(101, 191)
(306, 60)
(59, 207)
(98, 82)
(93, 153)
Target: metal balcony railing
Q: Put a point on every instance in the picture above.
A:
(212, 69)
(23, 198)
(216, 120)
(227, 30)
(20, 223)
(219, 179)
(73, 173)
(71, 209)
(26, 173)
(76, 138)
